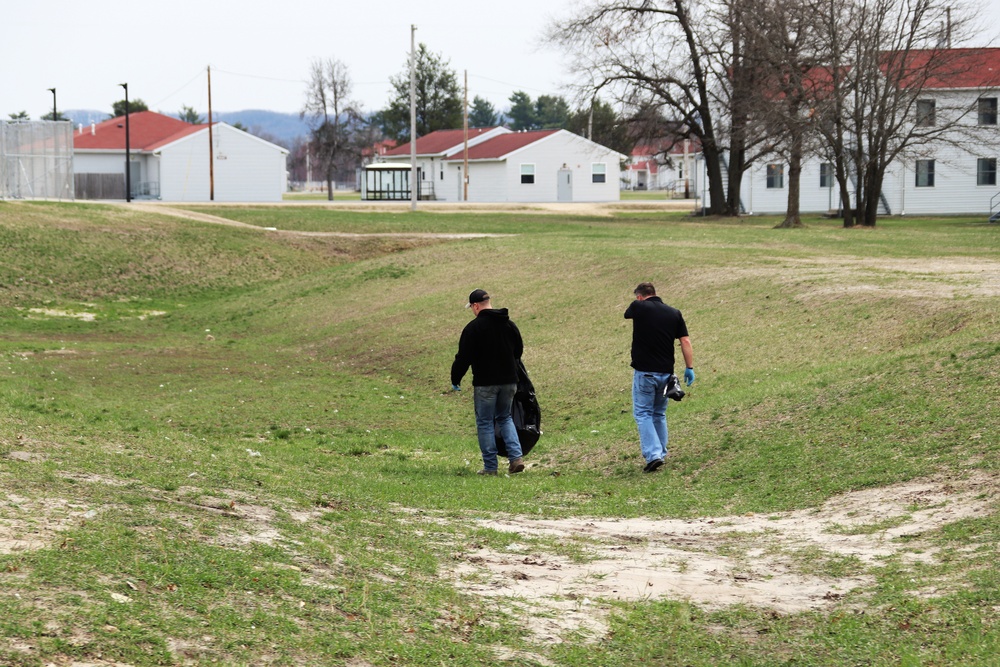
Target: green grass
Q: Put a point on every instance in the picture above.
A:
(254, 444)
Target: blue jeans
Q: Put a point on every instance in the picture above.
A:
(493, 403)
(649, 407)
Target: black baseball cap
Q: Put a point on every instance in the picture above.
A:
(477, 296)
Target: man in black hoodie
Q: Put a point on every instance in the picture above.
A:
(492, 345)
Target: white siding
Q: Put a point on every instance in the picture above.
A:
(247, 169)
(98, 163)
(488, 181)
(955, 189)
(558, 151)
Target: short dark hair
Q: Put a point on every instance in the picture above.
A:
(645, 289)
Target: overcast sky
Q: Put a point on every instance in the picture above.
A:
(260, 51)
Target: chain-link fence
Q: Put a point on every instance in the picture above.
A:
(36, 160)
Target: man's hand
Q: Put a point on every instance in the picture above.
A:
(455, 387)
(689, 376)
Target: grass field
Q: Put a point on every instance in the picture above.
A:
(236, 446)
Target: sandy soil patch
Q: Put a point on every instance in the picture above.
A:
(818, 279)
(763, 560)
(51, 312)
(713, 562)
(28, 524)
(941, 277)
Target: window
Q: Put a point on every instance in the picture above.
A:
(925, 173)
(986, 171)
(599, 172)
(775, 176)
(825, 175)
(527, 173)
(987, 111)
(925, 113)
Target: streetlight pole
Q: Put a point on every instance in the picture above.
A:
(128, 157)
(54, 115)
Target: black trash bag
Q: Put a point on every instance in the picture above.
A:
(673, 389)
(526, 414)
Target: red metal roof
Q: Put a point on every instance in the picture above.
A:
(958, 68)
(438, 142)
(645, 165)
(501, 145)
(148, 130)
(667, 146)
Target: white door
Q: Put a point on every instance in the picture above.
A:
(564, 190)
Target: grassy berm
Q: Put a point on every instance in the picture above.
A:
(237, 445)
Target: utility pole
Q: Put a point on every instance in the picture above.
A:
(590, 121)
(414, 184)
(211, 146)
(128, 147)
(54, 114)
(465, 150)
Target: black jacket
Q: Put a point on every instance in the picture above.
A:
(492, 345)
(655, 327)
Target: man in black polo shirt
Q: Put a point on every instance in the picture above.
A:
(655, 327)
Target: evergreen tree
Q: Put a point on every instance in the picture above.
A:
(482, 113)
(188, 115)
(551, 112)
(601, 124)
(522, 112)
(134, 106)
(438, 103)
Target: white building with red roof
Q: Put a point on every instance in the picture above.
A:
(954, 174)
(506, 166)
(169, 160)
(665, 165)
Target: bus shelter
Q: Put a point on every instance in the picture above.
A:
(386, 181)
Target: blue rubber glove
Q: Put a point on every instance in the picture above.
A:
(455, 387)
(689, 376)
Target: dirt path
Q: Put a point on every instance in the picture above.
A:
(767, 561)
(772, 561)
(218, 220)
(593, 209)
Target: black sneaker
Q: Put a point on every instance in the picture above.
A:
(653, 465)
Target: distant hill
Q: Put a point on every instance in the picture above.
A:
(282, 128)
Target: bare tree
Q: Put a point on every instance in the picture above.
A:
(333, 117)
(741, 76)
(883, 58)
(653, 56)
(687, 62)
(781, 45)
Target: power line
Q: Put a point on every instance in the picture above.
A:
(190, 81)
(262, 78)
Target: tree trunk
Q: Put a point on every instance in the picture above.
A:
(846, 206)
(716, 189)
(872, 185)
(792, 216)
(735, 172)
